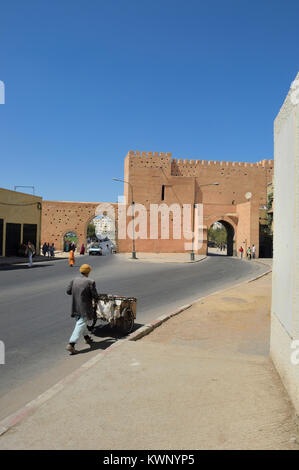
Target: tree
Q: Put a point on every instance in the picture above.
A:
(217, 235)
(91, 230)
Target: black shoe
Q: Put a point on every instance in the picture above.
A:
(88, 339)
(71, 349)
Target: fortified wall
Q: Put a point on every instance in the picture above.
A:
(146, 171)
(156, 178)
(61, 217)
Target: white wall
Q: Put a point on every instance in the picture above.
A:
(284, 205)
(285, 284)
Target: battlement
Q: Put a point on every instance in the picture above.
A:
(146, 156)
(191, 163)
(149, 155)
(149, 160)
(186, 167)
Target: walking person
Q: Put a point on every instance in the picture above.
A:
(52, 250)
(249, 253)
(82, 249)
(241, 250)
(71, 258)
(30, 251)
(48, 249)
(253, 251)
(83, 291)
(44, 249)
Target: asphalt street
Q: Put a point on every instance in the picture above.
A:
(35, 322)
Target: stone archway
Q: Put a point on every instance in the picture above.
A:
(69, 237)
(59, 217)
(230, 235)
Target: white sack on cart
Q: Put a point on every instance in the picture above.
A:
(109, 310)
(117, 308)
(106, 309)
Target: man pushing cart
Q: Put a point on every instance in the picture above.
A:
(88, 306)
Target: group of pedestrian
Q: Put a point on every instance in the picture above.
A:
(250, 252)
(48, 249)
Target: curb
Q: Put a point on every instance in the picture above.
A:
(29, 408)
(15, 418)
(261, 275)
(7, 423)
(146, 329)
(24, 261)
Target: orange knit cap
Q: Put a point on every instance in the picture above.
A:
(85, 269)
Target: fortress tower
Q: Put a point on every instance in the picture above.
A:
(156, 178)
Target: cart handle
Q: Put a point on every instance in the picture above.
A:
(107, 297)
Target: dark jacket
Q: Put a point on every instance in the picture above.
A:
(83, 290)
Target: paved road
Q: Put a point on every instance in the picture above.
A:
(35, 322)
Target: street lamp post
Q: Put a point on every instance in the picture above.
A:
(192, 254)
(133, 216)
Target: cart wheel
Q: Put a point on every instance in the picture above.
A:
(127, 323)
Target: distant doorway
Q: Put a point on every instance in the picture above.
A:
(221, 239)
(29, 233)
(13, 239)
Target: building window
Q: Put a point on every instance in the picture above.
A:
(163, 192)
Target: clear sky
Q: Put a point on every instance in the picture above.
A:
(88, 80)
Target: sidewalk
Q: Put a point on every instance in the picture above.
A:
(163, 257)
(9, 260)
(202, 380)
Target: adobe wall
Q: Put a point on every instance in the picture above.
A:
(19, 208)
(148, 171)
(183, 182)
(59, 217)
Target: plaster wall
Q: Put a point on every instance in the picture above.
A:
(285, 285)
(20, 208)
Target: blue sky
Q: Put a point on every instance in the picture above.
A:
(87, 81)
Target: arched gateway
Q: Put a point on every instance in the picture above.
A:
(228, 241)
(157, 179)
(60, 218)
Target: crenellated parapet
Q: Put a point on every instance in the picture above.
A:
(186, 167)
(180, 167)
(189, 163)
(149, 159)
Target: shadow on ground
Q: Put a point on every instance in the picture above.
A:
(218, 255)
(103, 330)
(97, 345)
(110, 335)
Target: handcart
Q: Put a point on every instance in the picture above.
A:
(119, 311)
